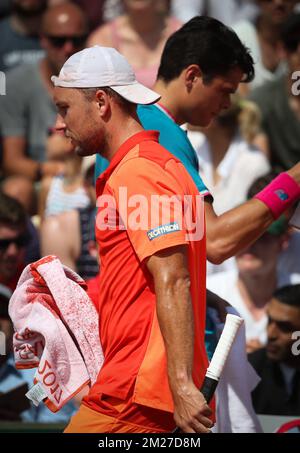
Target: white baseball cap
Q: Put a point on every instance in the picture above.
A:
(103, 67)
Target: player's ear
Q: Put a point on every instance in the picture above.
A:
(192, 75)
(103, 101)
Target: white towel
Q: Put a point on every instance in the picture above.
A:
(234, 409)
(56, 330)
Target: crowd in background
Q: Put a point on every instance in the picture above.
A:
(47, 196)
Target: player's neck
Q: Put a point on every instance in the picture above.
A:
(169, 100)
(116, 136)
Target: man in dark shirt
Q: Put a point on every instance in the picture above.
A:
(278, 364)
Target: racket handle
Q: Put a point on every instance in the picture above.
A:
(208, 388)
(219, 358)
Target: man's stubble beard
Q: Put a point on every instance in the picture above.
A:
(93, 146)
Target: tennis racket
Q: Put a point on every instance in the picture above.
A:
(219, 357)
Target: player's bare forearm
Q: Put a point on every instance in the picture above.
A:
(175, 317)
(235, 230)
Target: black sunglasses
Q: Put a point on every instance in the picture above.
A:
(19, 241)
(60, 41)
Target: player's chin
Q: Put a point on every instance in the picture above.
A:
(82, 152)
(206, 121)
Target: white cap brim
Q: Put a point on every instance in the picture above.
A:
(137, 93)
(134, 92)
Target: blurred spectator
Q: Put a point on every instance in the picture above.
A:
(71, 237)
(289, 259)
(250, 287)
(228, 161)
(67, 191)
(140, 35)
(112, 9)
(14, 405)
(27, 111)
(5, 7)
(280, 108)
(21, 189)
(20, 34)
(278, 364)
(13, 238)
(93, 10)
(263, 39)
(227, 11)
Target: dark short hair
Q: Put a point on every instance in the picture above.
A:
(208, 43)
(12, 212)
(289, 295)
(89, 94)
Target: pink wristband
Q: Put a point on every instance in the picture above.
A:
(280, 194)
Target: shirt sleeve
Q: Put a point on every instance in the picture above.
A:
(203, 190)
(154, 202)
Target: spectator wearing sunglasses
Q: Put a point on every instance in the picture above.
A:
(13, 239)
(27, 111)
(22, 190)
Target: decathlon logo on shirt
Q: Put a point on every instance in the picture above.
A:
(162, 230)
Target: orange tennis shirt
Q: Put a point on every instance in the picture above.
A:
(135, 357)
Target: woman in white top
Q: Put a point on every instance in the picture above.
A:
(229, 160)
(66, 191)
